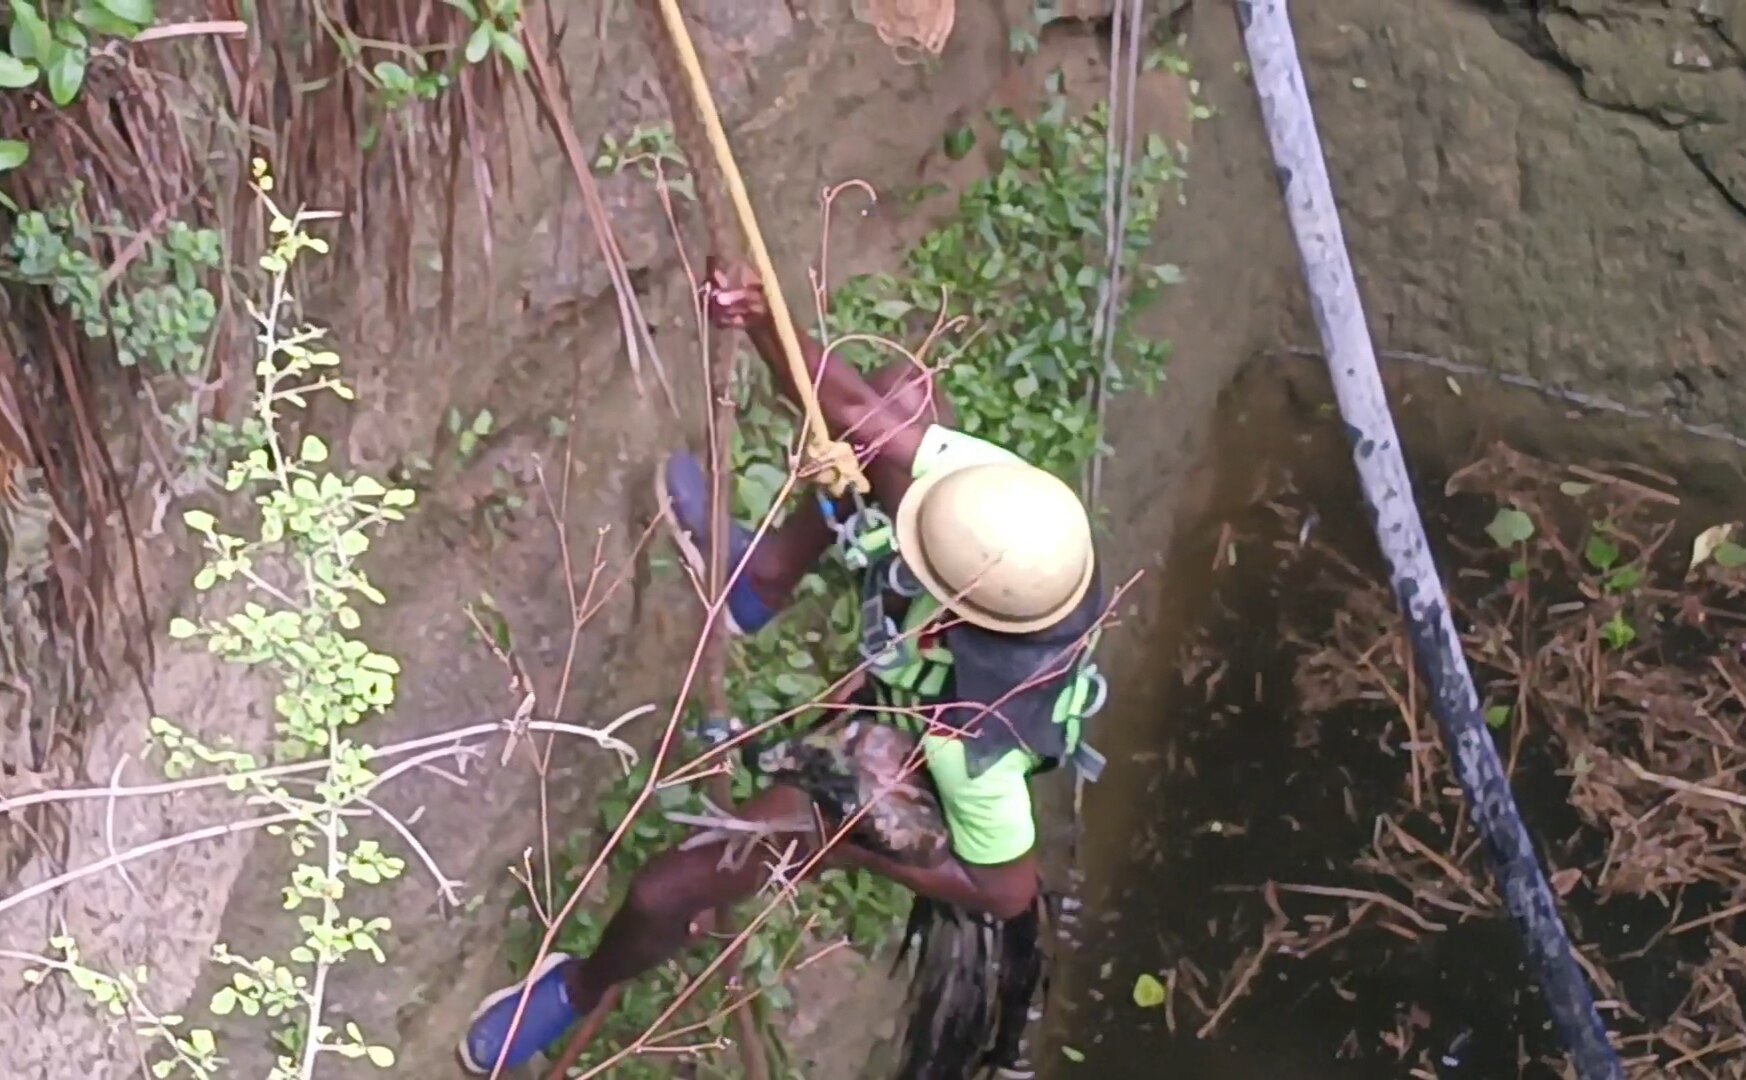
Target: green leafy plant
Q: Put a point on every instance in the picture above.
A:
(496, 29)
(300, 573)
(654, 153)
(468, 434)
(158, 314)
(1617, 631)
(189, 1050)
(1602, 553)
(1023, 261)
(1511, 529)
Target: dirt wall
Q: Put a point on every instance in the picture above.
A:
(1505, 208)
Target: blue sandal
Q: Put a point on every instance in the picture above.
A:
(682, 489)
(547, 1016)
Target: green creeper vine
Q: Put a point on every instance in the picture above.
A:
(304, 587)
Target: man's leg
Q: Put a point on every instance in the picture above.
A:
(669, 896)
(789, 551)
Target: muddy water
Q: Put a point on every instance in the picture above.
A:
(1210, 794)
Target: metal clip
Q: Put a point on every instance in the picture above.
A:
(1095, 677)
(902, 579)
(1089, 762)
(879, 642)
(716, 730)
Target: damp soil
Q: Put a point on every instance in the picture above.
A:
(1238, 848)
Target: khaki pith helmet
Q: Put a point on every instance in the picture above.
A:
(1005, 546)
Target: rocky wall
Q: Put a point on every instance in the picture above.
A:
(1548, 189)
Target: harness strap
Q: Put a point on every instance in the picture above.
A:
(868, 542)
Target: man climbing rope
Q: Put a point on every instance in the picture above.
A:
(980, 604)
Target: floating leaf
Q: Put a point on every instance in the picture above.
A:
(1730, 556)
(1496, 716)
(1601, 553)
(1148, 992)
(1707, 542)
(1510, 527)
(1072, 1055)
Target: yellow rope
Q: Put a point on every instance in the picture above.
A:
(838, 468)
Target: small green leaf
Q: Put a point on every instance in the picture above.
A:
(31, 39)
(224, 1002)
(960, 143)
(1496, 716)
(1510, 527)
(66, 73)
(13, 153)
(381, 1057)
(314, 450)
(102, 22)
(1574, 488)
(1730, 556)
(1148, 992)
(181, 629)
(202, 1042)
(15, 74)
(510, 48)
(137, 12)
(479, 43)
(1601, 553)
(1072, 1055)
(392, 76)
(199, 520)
(30, 35)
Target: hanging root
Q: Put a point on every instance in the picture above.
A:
(971, 990)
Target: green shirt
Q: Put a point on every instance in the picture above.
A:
(989, 816)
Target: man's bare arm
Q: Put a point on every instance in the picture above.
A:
(851, 405)
(1003, 892)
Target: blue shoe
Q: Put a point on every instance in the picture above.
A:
(547, 1016)
(682, 489)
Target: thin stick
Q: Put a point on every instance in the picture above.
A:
(1366, 896)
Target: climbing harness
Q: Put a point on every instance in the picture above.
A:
(912, 669)
(838, 468)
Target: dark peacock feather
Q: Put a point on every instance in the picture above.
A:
(862, 764)
(973, 978)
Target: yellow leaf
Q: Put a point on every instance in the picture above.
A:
(1707, 542)
(1148, 992)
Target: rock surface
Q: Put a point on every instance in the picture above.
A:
(1550, 189)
